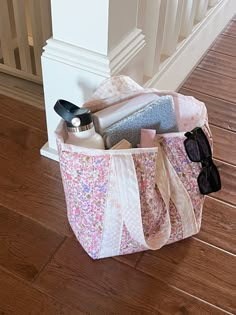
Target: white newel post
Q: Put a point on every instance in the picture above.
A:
(92, 40)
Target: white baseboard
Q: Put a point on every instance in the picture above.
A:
(175, 69)
(49, 152)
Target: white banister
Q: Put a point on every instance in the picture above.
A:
(190, 27)
(24, 27)
(92, 40)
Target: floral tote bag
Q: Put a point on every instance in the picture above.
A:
(125, 201)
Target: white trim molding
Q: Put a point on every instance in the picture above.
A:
(175, 69)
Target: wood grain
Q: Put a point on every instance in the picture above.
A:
(196, 267)
(23, 113)
(220, 112)
(25, 246)
(39, 198)
(219, 225)
(219, 63)
(225, 45)
(228, 180)
(20, 89)
(212, 84)
(109, 287)
(230, 30)
(224, 144)
(130, 260)
(20, 143)
(16, 297)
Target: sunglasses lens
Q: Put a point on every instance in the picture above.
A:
(192, 150)
(209, 180)
(204, 144)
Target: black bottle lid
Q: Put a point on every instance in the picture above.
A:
(72, 114)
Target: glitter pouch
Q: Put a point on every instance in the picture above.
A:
(158, 115)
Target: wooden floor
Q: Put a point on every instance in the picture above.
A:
(43, 270)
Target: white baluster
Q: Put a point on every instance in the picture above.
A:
(188, 17)
(212, 3)
(6, 35)
(22, 35)
(154, 34)
(45, 10)
(201, 10)
(36, 24)
(172, 26)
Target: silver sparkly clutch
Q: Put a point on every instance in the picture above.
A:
(158, 115)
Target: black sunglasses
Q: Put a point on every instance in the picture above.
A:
(198, 150)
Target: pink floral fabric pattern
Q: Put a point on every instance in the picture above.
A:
(128, 244)
(86, 181)
(186, 170)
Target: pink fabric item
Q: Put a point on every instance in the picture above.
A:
(147, 138)
(126, 201)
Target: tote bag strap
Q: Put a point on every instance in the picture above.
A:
(177, 192)
(123, 208)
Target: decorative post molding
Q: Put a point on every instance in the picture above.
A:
(92, 41)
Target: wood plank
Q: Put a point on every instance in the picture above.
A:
(41, 199)
(22, 90)
(30, 183)
(25, 246)
(228, 180)
(23, 113)
(225, 45)
(230, 29)
(224, 144)
(212, 84)
(109, 287)
(22, 143)
(194, 266)
(220, 112)
(219, 225)
(19, 298)
(130, 260)
(219, 63)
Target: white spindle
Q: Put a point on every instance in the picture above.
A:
(22, 35)
(172, 26)
(201, 10)
(154, 32)
(212, 3)
(36, 23)
(141, 14)
(188, 17)
(6, 35)
(46, 18)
